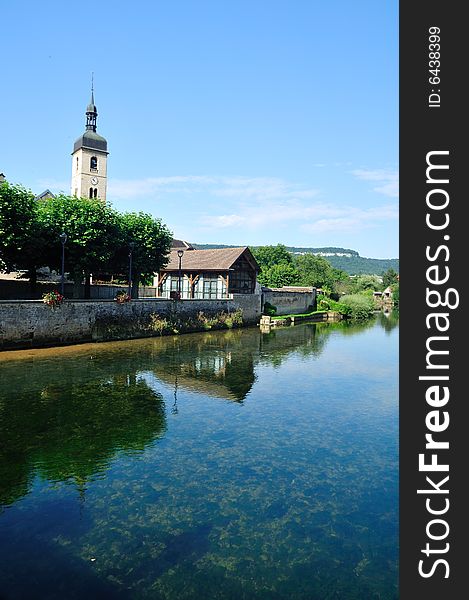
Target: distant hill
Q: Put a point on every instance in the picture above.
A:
(341, 258)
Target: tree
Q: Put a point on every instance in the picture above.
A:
(91, 228)
(366, 282)
(268, 256)
(390, 277)
(317, 271)
(150, 242)
(22, 238)
(279, 275)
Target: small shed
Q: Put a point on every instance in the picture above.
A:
(387, 292)
(205, 274)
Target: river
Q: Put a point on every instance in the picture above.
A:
(223, 465)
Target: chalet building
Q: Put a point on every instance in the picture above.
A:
(214, 273)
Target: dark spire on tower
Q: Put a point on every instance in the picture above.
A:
(91, 139)
(91, 110)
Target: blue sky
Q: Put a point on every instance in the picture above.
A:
(237, 122)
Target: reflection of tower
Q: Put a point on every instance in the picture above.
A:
(81, 487)
(175, 409)
(89, 159)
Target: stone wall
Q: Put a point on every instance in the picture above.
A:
(19, 289)
(32, 324)
(289, 302)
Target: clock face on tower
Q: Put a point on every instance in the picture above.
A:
(94, 180)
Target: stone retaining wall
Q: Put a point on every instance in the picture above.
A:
(32, 324)
(288, 302)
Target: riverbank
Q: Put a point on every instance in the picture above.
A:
(33, 324)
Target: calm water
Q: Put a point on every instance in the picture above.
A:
(227, 465)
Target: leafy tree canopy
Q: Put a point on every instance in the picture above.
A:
(149, 240)
(366, 282)
(390, 277)
(279, 275)
(91, 228)
(268, 256)
(21, 237)
(317, 271)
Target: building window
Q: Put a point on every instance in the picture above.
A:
(171, 284)
(95, 192)
(242, 277)
(91, 192)
(93, 163)
(77, 164)
(210, 286)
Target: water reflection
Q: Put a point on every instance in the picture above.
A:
(219, 465)
(70, 431)
(68, 424)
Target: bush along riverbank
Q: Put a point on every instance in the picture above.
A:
(350, 306)
(355, 307)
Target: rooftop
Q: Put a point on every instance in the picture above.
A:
(215, 259)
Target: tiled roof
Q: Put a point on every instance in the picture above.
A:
(177, 244)
(215, 259)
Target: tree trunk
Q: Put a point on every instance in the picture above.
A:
(77, 284)
(87, 286)
(135, 285)
(32, 281)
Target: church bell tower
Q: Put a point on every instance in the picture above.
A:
(89, 159)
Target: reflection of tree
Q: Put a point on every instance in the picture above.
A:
(71, 432)
(388, 320)
(278, 344)
(70, 415)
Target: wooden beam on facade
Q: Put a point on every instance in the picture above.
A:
(192, 281)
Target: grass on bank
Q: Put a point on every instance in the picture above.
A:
(308, 314)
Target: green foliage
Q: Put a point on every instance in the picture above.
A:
(269, 309)
(279, 275)
(395, 294)
(269, 256)
(359, 306)
(363, 283)
(390, 277)
(91, 228)
(21, 236)
(359, 265)
(150, 240)
(317, 271)
(98, 237)
(325, 303)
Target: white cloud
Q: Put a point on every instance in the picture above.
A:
(222, 203)
(241, 188)
(124, 189)
(353, 219)
(388, 180)
(313, 219)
